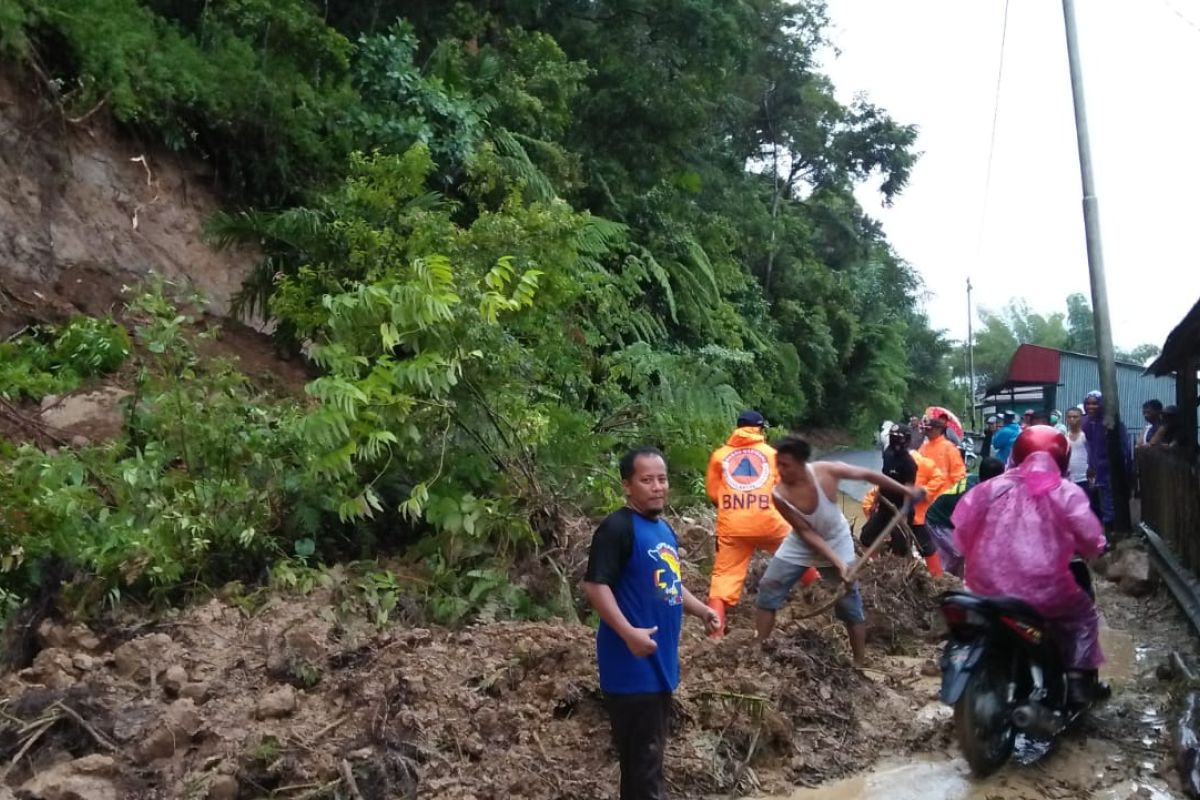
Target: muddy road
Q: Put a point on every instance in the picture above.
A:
(1121, 752)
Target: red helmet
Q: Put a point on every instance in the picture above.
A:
(1045, 439)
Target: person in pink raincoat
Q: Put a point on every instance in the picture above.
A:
(1018, 533)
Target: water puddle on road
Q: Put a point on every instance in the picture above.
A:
(1072, 765)
(930, 778)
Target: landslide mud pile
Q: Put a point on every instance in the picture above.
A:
(290, 701)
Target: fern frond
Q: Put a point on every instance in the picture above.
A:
(515, 157)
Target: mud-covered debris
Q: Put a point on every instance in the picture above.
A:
(499, 710)
(75, 636)
(196, 692)
(172, 732)
(53, 668)
(1139, 577)
(276, 703)
(174, 678)
(146, 657)
(222, 787)
(87, 778)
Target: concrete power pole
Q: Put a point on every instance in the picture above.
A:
(1095, 253)
(971, 355)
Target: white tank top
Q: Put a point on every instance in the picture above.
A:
(830, 524)
(1077, 469)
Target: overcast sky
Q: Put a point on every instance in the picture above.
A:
(934, 63)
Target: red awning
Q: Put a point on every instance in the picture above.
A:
(1031, 365)
(1034, 365)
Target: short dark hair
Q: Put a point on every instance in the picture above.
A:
(628, 464)
(794, 446)
(1153, 405)
(1043, 416)
(990, 468)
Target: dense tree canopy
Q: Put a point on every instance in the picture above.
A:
(518, 236)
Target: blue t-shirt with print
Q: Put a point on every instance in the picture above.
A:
(638, 558)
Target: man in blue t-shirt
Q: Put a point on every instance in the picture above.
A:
(634, 583)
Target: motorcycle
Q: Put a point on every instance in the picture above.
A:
(967, 447)
(1003, 674)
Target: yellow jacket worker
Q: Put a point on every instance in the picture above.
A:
(741, 476)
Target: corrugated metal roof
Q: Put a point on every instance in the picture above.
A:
(1079, 374)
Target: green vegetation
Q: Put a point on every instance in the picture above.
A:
(49, 361)
(515, 237)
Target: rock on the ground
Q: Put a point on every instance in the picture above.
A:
(197, 692)
(174, 731)
(75, 636)
(82, 779)
(96, 414)
(174, 678)
(223, 787)
(277, 703)
(145, 657)
(1136, 576)
(52, 668)
(299, 653)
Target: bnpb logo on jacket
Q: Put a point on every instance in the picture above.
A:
(746, 470)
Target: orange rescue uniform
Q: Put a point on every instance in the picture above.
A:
(741, 476)
(949, 460)
(929, 477)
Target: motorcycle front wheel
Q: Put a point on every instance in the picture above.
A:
(983, 718)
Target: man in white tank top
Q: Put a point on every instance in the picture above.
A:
(820, 540)
(1077, 469)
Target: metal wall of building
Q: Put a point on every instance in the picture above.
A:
(1081, 374)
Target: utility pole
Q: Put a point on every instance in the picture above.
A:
(1095, 253)
(971, 354)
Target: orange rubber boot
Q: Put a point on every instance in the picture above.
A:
(934, 563)
(719, 607)
(810, 576)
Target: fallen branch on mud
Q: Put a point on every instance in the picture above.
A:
(348, 778)
(42, 434)
(73, 714)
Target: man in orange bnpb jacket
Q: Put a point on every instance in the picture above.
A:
(741, 476)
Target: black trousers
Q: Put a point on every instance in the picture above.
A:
(879, 520)
(639, 731)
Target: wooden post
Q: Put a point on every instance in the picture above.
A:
(1185, 400)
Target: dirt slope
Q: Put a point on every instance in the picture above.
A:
(84, 211)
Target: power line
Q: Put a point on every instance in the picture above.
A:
(987, 181)
(1187, 21)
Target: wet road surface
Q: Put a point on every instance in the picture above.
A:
(1120, 752)
(868, 459)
